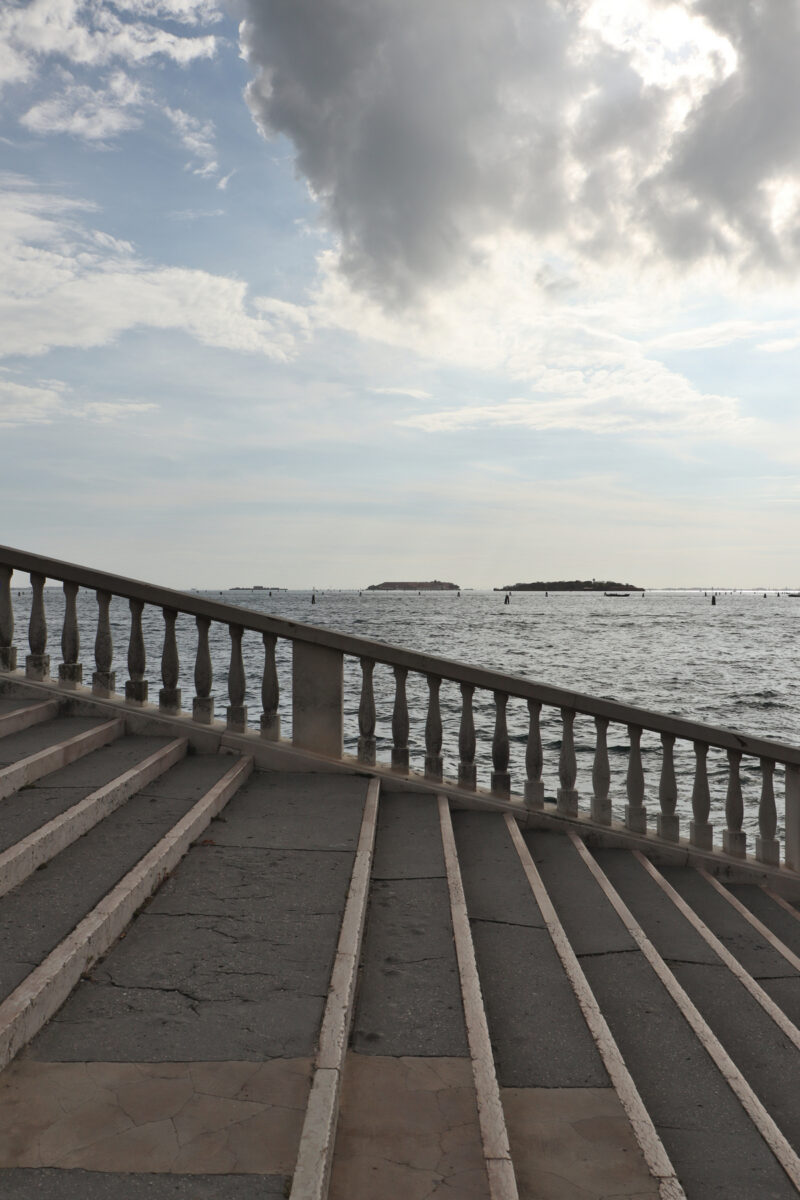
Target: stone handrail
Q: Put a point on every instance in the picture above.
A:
(317, 705)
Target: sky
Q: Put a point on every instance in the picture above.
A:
(327, 292)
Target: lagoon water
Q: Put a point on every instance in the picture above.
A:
(736, 664)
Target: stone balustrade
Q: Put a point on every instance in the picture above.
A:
(317, 705)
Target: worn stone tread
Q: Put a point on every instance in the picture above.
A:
(409, 1000)
(35, 805)
(231, 959)
(713, 1145)
(41, 737)
(521, 974)
(51, 1184)
(767, 1058)
(46, 906)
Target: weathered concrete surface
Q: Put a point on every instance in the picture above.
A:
(409, 1000)
(96, 1185)
(35, 916)
(408, 1127)
(762, 1052)
(195, 1118)
(232, 958)
(38, 737)
(714, 1147)
(574, 1144)
(776, 918)
(539, 1035)
(38, 803)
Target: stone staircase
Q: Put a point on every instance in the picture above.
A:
(220, 981)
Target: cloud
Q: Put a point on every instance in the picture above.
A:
(92, 33)
(197, 137)
(94, 114)
(63, 283)
(634, 132)
(414, 393)
(49, 401)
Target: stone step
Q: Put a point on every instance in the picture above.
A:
(16, 715)
(102, 856)
(714, 1146)
(31, 852)
(191, 1043)
(35, 752)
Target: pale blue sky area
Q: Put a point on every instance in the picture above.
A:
(342, 291)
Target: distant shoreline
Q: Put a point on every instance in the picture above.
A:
(431, 585)
(571, 585)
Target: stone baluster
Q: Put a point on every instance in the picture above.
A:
(203, 703)
(169, 697)
(767, 847)
(635, 811)
(237, 710)
(534, 760)
(734, 840)
(400, 722)
(433, 731)
(70, 671)
(501, 779)
(270, 692)
(8, 651)
(567, 766)
(366, 714)
(667, 823)
(467, 774)
(104, 680)
(37, 663)
(601, 775)
(136, 684)
(701, 833)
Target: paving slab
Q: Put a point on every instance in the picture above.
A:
(231, 959)
(574, 1144)
(538, 1033)
(39, 737)
(35, 805)
(181, 1118)
(42, 910)
(408, 1127)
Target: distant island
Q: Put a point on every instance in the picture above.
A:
(571, 585)
(432, 585)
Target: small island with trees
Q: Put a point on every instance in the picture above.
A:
(432, 585)
(571, 585)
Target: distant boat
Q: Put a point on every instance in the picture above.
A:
(795, 594)
(622, 595)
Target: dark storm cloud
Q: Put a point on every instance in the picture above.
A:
(422, 127)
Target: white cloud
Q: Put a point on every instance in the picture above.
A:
(91, 33)
(50, 400)
(197, 137)
(610, 131)
(62, 284)
(414, 393)
(96, 115)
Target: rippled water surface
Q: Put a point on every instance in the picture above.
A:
(734, 664)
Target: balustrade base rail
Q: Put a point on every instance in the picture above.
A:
(318, 697)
